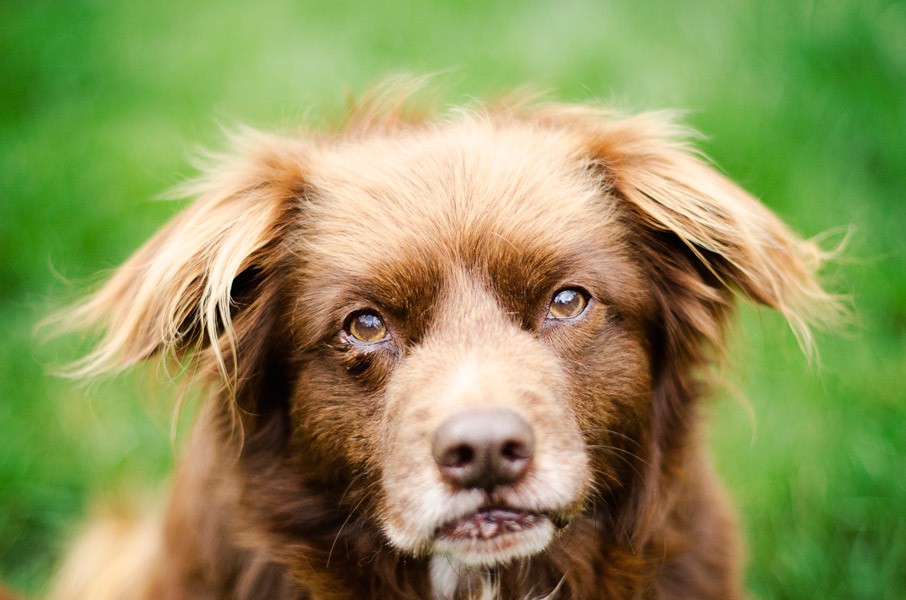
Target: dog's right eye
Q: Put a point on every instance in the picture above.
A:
(366, 327)
(568, 303)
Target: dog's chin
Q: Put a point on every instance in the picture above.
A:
(493, 536)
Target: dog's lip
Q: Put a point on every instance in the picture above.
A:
(489, 523)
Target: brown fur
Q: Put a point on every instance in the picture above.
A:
(309, 472)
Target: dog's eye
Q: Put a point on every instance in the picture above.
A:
(568, 303)
(367, 327)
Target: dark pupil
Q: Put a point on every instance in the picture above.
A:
(567, 298)
(369, 323)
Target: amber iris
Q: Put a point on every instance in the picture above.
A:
(367, 327)
(568, 303)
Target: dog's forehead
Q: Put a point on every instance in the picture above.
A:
(472, 193)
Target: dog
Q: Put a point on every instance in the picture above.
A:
(445, 357)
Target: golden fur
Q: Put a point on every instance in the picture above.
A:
(457, 230)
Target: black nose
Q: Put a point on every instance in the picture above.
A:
(483, 448)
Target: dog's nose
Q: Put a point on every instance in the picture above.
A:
(483, 448)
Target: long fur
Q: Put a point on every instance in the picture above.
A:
(456, 227)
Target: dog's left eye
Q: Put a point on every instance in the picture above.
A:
(568, 303)
(367, 327)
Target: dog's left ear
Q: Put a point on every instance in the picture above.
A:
(695, 221)
(184, 288)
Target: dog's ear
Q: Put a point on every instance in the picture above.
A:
(702, 236)
(184, 287)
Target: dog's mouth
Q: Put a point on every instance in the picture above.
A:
(494, 535)
(490, 523)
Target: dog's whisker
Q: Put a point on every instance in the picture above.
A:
(340, 530)
(612, 432)
(618, 449)
(511, 244)
(623, 458)
(352, 482)
(594, 484)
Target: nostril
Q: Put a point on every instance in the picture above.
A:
(458, 456)
(515, 451)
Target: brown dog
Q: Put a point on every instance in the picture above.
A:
(451, 358)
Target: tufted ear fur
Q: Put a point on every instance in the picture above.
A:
(702, 236)
(185, 287)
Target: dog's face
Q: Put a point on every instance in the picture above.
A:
(478, 321)
(471, 331)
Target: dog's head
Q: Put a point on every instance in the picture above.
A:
(467, 331)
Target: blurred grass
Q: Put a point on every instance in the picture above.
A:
(101, 103)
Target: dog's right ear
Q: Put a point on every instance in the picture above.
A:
(702, 237)
(178, 291)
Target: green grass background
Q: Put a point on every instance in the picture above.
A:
(102, 102)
